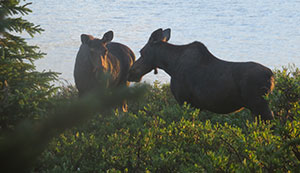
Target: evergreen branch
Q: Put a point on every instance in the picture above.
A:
(10, 7)
(19, 25)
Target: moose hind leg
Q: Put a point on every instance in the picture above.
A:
(124, 106)
(261, 107)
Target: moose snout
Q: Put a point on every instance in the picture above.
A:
(133, 76)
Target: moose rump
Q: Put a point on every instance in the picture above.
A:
(203, 80)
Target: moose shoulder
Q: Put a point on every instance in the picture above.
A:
(98, 56)
(203, 80)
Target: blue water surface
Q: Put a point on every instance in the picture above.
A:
(265, 31)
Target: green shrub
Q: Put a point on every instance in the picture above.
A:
(285, 99)
(158, 135)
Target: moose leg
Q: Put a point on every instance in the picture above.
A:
(260, 107)
(124, 106)
(253, 90)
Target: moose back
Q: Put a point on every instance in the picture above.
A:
(203, 80)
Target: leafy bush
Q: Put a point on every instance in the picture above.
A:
(158, 135)
(285, 99)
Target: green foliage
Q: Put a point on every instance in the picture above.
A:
(285, 102)
(158, 135)
(24, 92)
(22, 146)
(285, 99)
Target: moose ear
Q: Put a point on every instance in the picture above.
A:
(156, 36)
(166, 35)
(85, 38)
(107, 37)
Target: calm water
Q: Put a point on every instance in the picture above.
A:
(265, 31)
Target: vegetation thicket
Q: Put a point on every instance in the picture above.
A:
(158, 135)
(47, 129)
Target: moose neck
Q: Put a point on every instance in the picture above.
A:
(167, 57)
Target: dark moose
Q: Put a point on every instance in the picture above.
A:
(203, 80)
(99, 56)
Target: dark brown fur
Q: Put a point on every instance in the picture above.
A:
(205, 81)
(98, 56)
